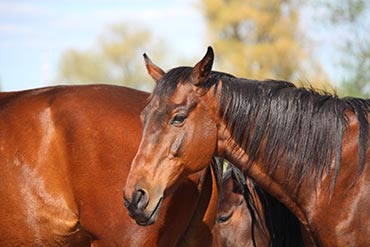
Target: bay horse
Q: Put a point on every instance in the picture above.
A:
(65, 155)
(235, 220)
(306, 148)
(248, 216)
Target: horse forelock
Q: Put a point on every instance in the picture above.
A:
(217, 166)
(302, 126)
(167, 85)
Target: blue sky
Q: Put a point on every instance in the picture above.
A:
(34, 33)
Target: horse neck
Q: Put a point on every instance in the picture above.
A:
(250, 158)
(256, 171)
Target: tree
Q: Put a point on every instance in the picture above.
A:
(357, 66)
(83, 67)
(117, 59)
(259, 39)
(353, 17)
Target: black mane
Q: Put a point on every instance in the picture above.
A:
(301, 125)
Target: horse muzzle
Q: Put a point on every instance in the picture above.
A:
(138, 208)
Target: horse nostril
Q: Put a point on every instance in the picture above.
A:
(140, 198)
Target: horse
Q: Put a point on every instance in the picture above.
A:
(65, 155)
(309, 149)
(235, 220)
(248, 216)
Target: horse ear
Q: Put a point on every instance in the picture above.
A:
(202, 69)
(154, 71)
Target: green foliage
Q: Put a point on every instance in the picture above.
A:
(344, 11)
(358, 67)
(352, 16)
(259, 39)
(83, 67)
(117, 59)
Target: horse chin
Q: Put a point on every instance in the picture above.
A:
(147, 218)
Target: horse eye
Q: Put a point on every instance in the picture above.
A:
(224, 218)
(177, 120)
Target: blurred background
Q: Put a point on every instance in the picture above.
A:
(325, 43)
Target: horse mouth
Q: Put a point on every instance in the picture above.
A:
(149, 218)
(142, 217)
